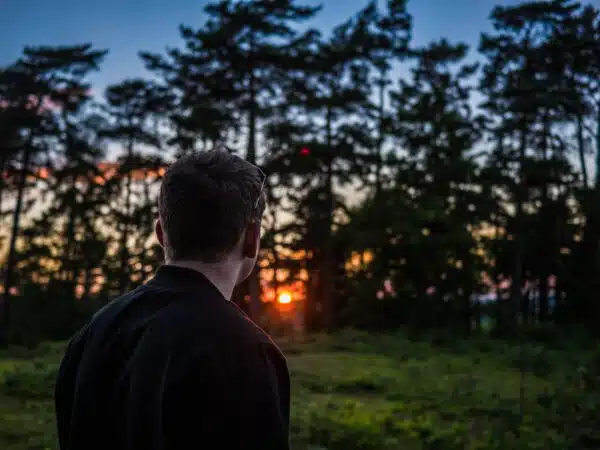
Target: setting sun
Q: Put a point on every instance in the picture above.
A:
(285, 297)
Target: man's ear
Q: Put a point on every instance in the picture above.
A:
(160, 234)
(251, 240)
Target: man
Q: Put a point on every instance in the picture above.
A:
(175, 364)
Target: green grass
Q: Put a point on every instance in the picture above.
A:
(355, 391)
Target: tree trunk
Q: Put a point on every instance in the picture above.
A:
(12, 257)
(546, 256)
(275, 280)
(594, 304)
(581, 151)
(124, 273)
(89, 267)
(517, 275)
(68, 256)
(143, 258)
(326, 279)
(584, 255)
(380, 138)
(467, 313)
(527, 307)
(597, 180)
(312, 296)
(3, 176)
(586, 294)
(254, 279)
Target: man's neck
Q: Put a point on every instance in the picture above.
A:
(222, 275)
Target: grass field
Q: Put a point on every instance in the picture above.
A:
(356, 391)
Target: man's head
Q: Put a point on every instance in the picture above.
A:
(210, 209)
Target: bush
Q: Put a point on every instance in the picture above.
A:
(355, 390)
(47, 313)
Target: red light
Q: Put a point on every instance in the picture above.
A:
(304, 151)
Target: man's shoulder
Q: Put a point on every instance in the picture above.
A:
(200, 316)
(185, 321)
(243, 347)
(220, 329)
(237, 331)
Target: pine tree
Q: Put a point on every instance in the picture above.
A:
(29, 89)
(133, 107)
(580, 34)
(435, 123)
(227, 78)
(383, 37)
(317, 141)
(519, 88)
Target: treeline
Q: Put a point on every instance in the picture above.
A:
(397, 200)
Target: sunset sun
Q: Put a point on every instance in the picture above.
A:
(284, 297)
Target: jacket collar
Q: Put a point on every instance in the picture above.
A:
(184, 279)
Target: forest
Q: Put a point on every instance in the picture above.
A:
(466, 189)
(430, 257)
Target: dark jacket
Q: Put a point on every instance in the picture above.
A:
(172, 365)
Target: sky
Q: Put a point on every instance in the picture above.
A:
(127, 26)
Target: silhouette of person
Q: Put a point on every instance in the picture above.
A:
(174, 364)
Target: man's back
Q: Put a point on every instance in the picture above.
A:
(172, 365)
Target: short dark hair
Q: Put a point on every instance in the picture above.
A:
(206, 201)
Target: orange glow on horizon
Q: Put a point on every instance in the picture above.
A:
(108, 170)
(359, 260)
(285, 294)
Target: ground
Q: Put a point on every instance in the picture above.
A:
(359, 391)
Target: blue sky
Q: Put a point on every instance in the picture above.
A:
(127, 26)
